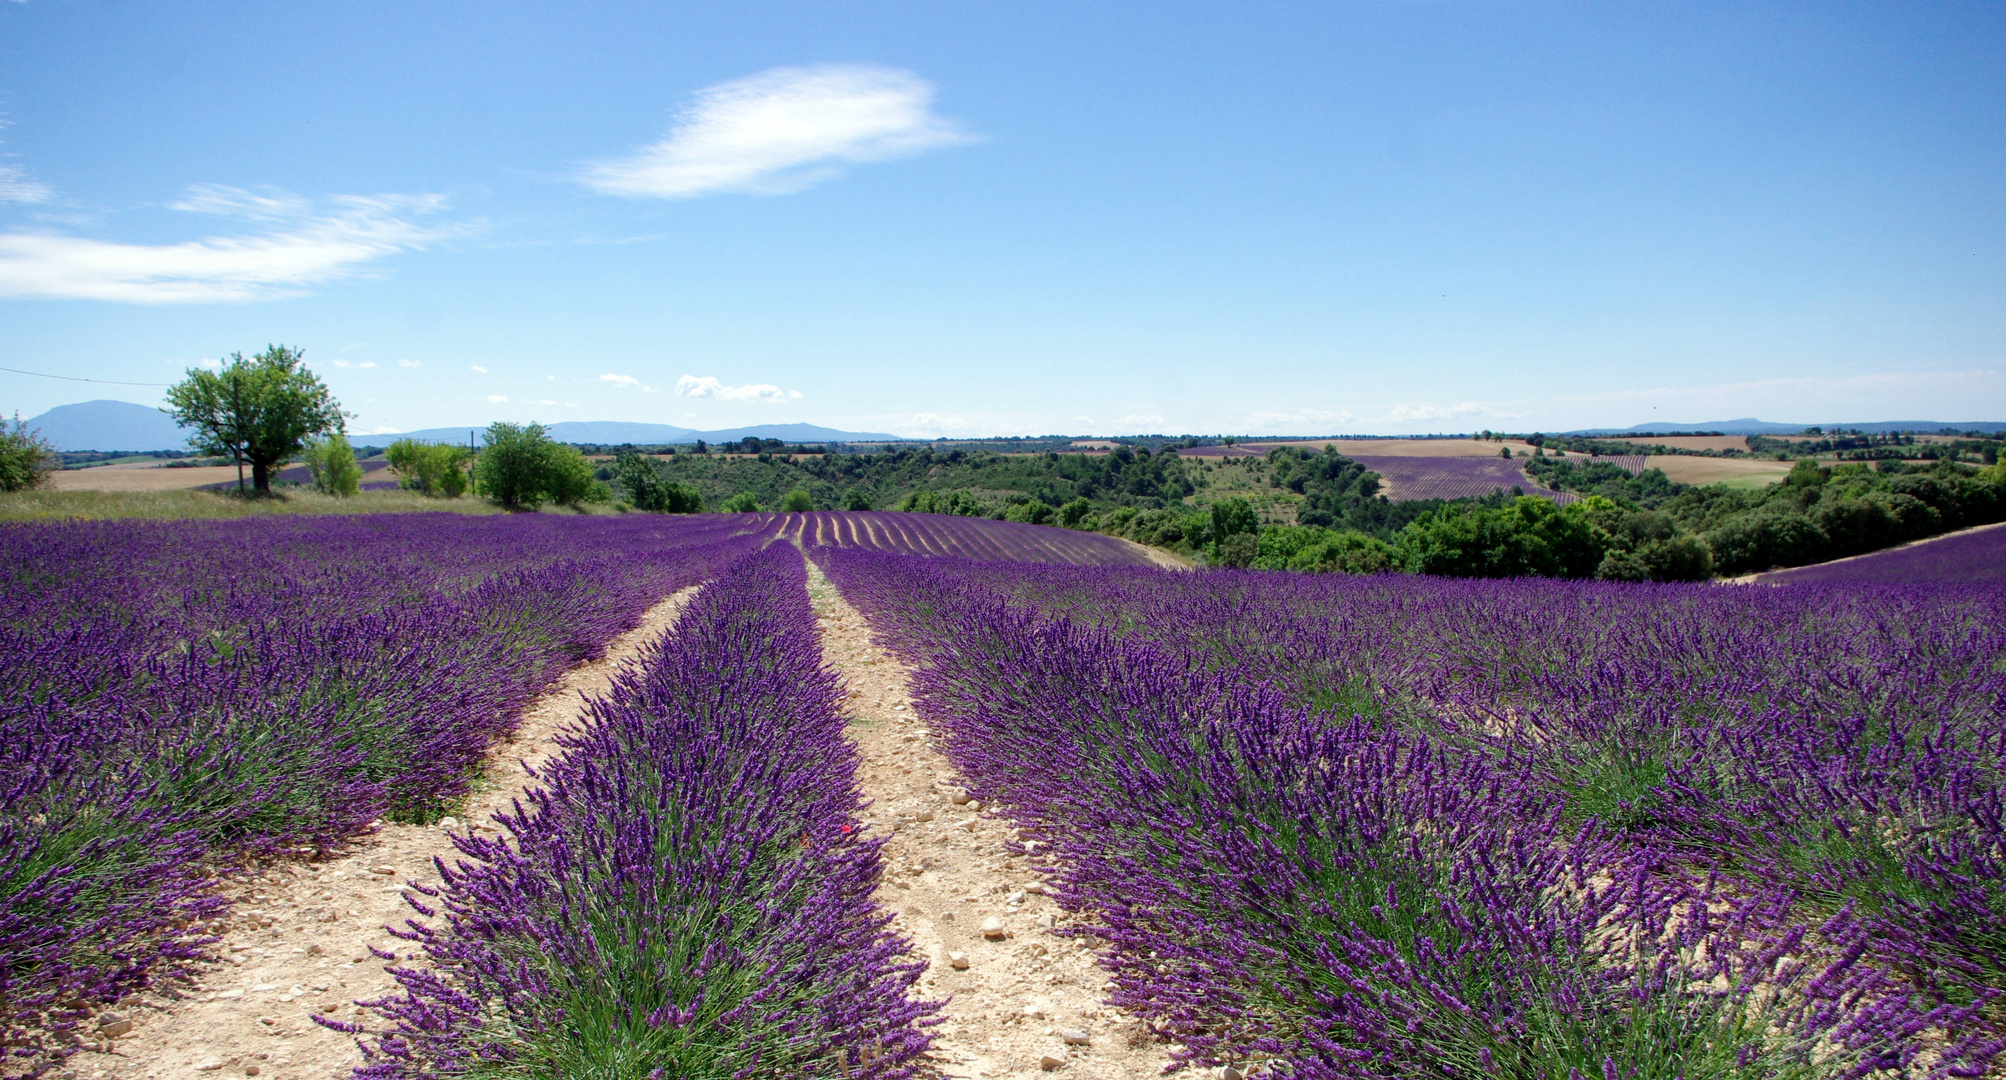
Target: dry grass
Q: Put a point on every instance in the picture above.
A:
(47, 505)
(1739, 472)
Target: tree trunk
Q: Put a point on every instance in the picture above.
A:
(261, 476)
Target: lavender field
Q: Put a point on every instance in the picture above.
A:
(978, 539)
(1400, 827)
(1410, 478)
(1314, 826)
(180, 697)
(1973, 556)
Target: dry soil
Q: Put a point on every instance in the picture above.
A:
(296, 940)
(1014, 995)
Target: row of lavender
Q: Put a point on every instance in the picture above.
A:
(177, 696)
(688, 892)
(1388, 826)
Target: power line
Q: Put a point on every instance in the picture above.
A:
(72, 378)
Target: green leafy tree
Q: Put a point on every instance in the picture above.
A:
(431, 468)
(332, 462)
(1231, 517)
(1528, 536)
(857, 499)
(25, 457)
(797, 501)
(261, 410)
(644, 484)
(521, 468)
(745, 502)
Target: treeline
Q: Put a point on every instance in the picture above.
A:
(1815, 514)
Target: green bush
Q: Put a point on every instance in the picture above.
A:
(25, 457)
(1233, 516)
(1316, 550)
(1033, 512)
(745, 502)
(797, 501)
(1528, 536)
(644, 484)
(521, 468)
(332, 462)
(958, 503)
(857, 499)
(430, 468)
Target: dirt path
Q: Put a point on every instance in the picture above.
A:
(1024, 1001)
(296, 940)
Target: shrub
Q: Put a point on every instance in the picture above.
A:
(797, 501)
(1230, 516)
(332, 462)
(520, 468)
(1528, 536)
(641, 479)
(857, 499)
(745, 502)
(25, 457)
(430, 468)
(1033, 512)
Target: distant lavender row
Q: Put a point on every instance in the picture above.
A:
(169, 691)
(1359, 826)
(688, 894)
(979, 539)
(1412, 478)
(1974, 556)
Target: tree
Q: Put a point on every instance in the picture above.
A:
(260, 410)
(1527, 536)
(797, 501)
(1233, 516)
(745, 502)
(521, 468)
(332, 462)
(431, 468)
(25, 457)
(645, 486)
(857, 499)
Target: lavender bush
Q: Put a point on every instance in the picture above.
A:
(177, 696)
(688, 893)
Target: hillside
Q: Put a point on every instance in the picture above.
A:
(109, 426)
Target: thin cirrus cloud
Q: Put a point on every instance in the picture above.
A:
(627, 381)
(709, 386)
(293, 245)
(781, 131)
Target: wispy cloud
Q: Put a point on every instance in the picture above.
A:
(782, 130)
(16, 187)
(364, 364)
(498, 397)
(410, 363)
(299, 246)
(477, 367)
(708, 386)
(621, 380)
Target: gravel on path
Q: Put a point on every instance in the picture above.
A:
(1022, 1001)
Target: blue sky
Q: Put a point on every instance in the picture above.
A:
(1022, 218)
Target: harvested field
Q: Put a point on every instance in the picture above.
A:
(1687, 442)
(143, 478)
(1681, 469)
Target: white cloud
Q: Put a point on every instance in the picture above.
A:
(367, 363)
(1299, 419)
(1140, 424)
(409, 363)
(1407, 413)
(621, 380)
(782, 130)
(15, 187)
(708, 386)
(381, 430)
(498, 397)
(212, 363)
(477, 367)
(300, 247)
(936, 424)
(795, 394)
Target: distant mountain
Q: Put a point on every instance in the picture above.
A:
(614, 432)
(108, 426)
(1752, 426)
